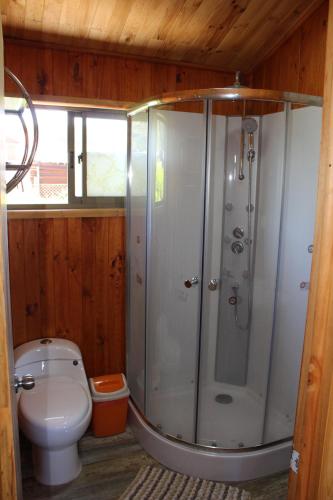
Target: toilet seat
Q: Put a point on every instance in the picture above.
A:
(50, 411)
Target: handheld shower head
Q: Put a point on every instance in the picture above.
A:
(249, 125)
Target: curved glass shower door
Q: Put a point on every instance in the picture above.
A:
(177, 143)
(220, 234)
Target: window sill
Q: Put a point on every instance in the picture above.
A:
(65, 213)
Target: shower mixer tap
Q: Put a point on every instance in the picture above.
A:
(193, 281)
(237, 247)
(238, 232)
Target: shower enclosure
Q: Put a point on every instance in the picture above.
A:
(221, 207)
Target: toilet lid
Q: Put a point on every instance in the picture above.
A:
(55, 401)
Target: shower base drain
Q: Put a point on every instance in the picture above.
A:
(224, 399)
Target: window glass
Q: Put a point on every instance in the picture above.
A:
(15, 140)
(96, 144)
(47, 180)
(106, 156)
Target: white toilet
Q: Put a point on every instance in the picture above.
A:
(55, 413)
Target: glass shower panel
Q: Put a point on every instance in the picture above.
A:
(241, 253)
(177, 140)
(136, 247)
(294, 269)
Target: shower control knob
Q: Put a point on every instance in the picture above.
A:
(237, 247)
(191, 282)
(232, 300)
(212, 285)
(238, 232)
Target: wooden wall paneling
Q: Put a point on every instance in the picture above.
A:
(93, 72)
(75, 273)
(282, 70)
(116, 300)
(65, 213)
(312, 53)
(163, 78)
(89, 295)
(17, 277)
(76, 75)
(139, 83)
(10, 487)
(60, 270)
(12, 55)
(46, 278)
(298, 65)
(59, 76)
(31, 277)
(103, 334)
(69, 73)
(67, 280)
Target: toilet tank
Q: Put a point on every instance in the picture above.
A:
(49, 357)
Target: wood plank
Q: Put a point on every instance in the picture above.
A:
(17, 280)
(65, 213)
(314, 421)
(31, 278)
(89, 340)
(72, 103)
(61, 46)
(312, 54)
(90, 77)
(74, 236)
(81, 285)
(298, 65)
(7, 457)
(60, 270)
(231, 35)
(9, 454)
(116, 295)
(46, 278)
(103, 350)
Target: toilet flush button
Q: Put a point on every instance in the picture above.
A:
(46, 341)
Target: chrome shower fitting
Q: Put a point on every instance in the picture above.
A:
(237, 247)
(249, 126)
(251, 154)
(241, 175)
(238, 232)
(234, 301)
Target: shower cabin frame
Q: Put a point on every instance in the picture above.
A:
(209, 462)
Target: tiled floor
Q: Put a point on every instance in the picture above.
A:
(110, 464)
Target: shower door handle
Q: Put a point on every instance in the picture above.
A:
(213, 284)
(191, 282)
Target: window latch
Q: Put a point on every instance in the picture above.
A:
(71, 159)
(80, 158)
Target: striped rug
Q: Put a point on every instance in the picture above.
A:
(155, 483)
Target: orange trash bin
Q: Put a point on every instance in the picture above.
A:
(110, 403)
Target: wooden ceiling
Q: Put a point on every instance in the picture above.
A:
(224, 34)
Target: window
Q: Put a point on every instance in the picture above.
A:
(80, 159)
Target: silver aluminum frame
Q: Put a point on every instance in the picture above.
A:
(75, 201)
(229, 94)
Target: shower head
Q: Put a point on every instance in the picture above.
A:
(249, 125)
(237, 83)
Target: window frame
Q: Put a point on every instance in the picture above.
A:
(84, 201)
